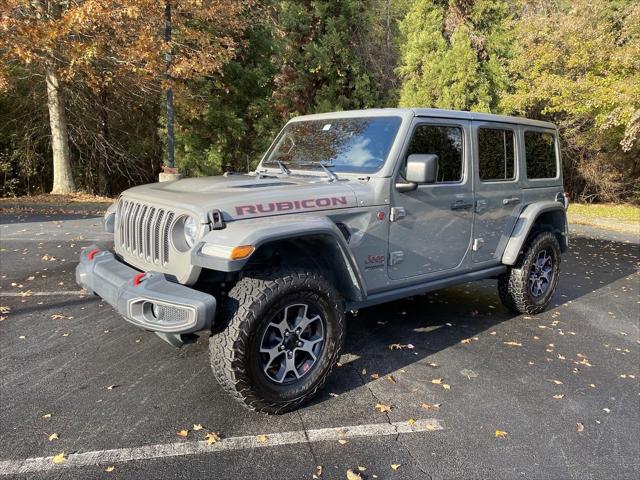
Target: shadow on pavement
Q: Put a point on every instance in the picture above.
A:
(424, 321)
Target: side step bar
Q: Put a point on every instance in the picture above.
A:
(417, 289)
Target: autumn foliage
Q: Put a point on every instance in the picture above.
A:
(99, 41)
(82, 81)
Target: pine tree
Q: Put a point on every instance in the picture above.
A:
(453, 53)
(321, 68)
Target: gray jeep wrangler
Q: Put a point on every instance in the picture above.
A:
(346, 210)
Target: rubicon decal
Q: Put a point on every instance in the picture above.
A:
(284, 206)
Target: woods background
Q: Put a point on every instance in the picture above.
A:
(82, 82)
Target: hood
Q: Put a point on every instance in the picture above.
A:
(246, 196)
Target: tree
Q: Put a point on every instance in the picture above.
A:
(579, 66)
(453, 54)
(227, 120)
(321, 68)
(99, 42)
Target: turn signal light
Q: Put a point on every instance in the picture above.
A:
(243, 251)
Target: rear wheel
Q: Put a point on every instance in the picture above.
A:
(283, 336)
(528, 286)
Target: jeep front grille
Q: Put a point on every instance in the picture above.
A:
(143, 231)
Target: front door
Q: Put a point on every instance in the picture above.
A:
(498, 193)
(430, 228)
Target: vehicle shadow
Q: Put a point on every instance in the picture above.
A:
(436, 321)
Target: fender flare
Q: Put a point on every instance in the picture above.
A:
(527, 219)
(261, 231)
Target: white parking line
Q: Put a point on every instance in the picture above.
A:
(148, 452)
(42, 294)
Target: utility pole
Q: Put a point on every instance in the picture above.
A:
(169, 170)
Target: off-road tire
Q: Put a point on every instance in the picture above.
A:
(249, 304)
(513, 285)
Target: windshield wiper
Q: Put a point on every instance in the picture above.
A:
(283, 167)
(325, 167)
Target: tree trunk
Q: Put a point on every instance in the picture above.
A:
(62, 176)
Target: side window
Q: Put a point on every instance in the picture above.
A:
(540, 148)
(496, 154)
(446, 143)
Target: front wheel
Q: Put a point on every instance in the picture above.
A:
(528, 286)
(283, 336)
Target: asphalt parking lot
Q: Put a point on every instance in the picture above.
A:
(550, 396)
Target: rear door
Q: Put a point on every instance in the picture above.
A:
(431, 226)
(498, 195)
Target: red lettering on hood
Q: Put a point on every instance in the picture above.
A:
(291, 205)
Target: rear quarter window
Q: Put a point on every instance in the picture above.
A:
(540, 154)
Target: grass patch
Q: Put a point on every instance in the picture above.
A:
(605, 211)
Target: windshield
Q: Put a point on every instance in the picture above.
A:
(359, 145)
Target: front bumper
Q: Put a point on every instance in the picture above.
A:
(148, 300)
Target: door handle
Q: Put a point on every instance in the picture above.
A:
(510, 201)
(461, 205)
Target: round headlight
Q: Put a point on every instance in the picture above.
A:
(190, 231)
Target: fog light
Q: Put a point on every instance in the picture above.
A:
(156, 311)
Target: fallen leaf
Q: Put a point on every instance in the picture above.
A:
(53, 436)
(430, 426)
(558, 397)
(579, 427)
(446, 386)
(433, 365)
(430, 406)
(57, 316)
(383, 407)
(46, 415)
(361, 468)
(375, 376)
(183, 433)
(196, 427)
(390, 379)
(465, 341)
(411, 421)
(261, 438)
(110, 469)
(557, 382)
(59, 458)
(513, 344)
(351, 475)
(22, 337)
(342, 441)
(395, 466)
(606, 410)
(111, 387)
(501, 434)
(212, 438)
(437, 381)
(468, 373)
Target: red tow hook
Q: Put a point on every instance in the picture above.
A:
(138, 278)
(93, 253)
